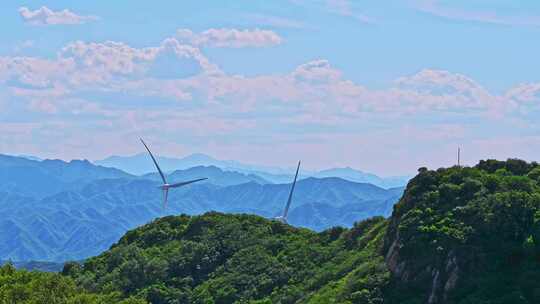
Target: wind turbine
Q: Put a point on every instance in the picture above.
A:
(283, 218)
(166, 186)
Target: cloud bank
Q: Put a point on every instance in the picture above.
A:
(114, 92)
(229, 38)
(316, 86)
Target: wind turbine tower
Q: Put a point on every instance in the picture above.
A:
(283, 218)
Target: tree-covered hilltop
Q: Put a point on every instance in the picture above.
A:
(30, 287)
(467, 235)
(458, 236)
(218, 258)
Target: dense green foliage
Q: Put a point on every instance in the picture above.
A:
(484, 219)
(25, 287)
(217, 258)
(36, 265)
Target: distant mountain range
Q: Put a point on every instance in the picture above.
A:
(36, 265)
(55, 211)
(214, 174)
(362, 177)
(42, 178)
(139, 164)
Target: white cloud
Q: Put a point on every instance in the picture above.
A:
(115, 57)
(276, 21)
(344, 8)
(525, 93)
(46, 16)
(111, 57)
(447, 90)
(26, 44)
(525, 98)
(316, 71)
(433, 7)
(230, 38)
(36, 72)
(102, 66)
(114, 66)
(43, 106)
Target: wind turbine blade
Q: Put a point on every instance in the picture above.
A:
(165, 196)
(291, 194)
(186, 183)
(155, 162)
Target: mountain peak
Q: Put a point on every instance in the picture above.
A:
(199, 157)
(247, 256)
(81, 161)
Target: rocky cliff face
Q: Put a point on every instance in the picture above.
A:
(467, 235)
(434, 280)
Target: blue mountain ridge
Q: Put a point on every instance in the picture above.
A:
(88, 214)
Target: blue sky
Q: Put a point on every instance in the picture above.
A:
(385, 88)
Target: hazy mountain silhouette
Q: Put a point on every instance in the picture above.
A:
(214, 174)
(363, 177)
(139, 164)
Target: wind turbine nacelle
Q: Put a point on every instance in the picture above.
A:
(281, 219)
(164, 187)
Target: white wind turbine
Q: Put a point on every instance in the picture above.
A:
(166, 186)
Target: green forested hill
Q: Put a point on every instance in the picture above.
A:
(458, 235)
(218, 258)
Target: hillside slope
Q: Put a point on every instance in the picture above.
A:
(217, 258)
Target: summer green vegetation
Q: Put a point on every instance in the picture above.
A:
(458, 235)
(25, 287)
(217, 258)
